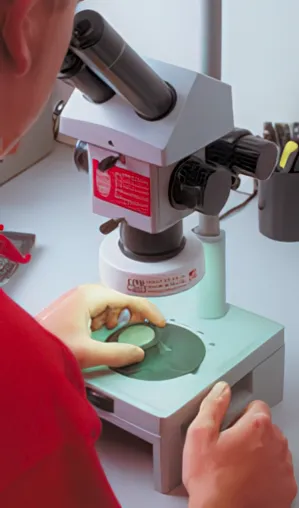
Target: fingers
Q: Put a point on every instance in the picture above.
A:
(98, 298)
(284, 452)
(257, 409)
(212, 412)
(110, 319)
(99, 321)
(111, 354)
(141, 309)
(255, 422)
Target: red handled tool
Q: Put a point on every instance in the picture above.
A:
(9, 251)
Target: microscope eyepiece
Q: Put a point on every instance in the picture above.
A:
(75, 73)
(108, 56)
(86, 32)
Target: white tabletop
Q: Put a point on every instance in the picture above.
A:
(52, 200)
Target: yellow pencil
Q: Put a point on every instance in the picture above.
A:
(288, 157)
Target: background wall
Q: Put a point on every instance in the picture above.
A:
(259, 47)
(259, 60)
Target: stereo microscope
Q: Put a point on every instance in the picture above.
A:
(159, 144)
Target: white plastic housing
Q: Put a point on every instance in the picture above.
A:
(203, 113)
(133, 190)
(163, 278)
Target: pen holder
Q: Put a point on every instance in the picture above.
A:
(278, 203)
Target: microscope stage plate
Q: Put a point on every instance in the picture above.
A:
(235, 345)
(170, 352)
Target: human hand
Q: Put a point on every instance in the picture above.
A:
(248, 465)
(91, 307)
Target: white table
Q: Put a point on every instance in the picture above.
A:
(53, 200)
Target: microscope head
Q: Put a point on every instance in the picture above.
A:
(139, 118)
(152, 131)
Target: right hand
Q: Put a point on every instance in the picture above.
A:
(248, 465)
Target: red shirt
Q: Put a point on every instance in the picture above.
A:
(48, 428)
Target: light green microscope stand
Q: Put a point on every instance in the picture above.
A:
(242, 348)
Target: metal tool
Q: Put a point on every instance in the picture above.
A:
(15, 249)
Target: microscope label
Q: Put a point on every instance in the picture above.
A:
(123, 188)
(161, 284)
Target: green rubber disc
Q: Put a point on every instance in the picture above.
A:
(139, 335)
(175, 352)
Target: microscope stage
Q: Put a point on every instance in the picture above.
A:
(235, 345)
(242, 348)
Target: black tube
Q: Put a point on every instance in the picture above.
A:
(105, 52)
(75, 73)
(149, 247)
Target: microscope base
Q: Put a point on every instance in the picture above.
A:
(242, 348)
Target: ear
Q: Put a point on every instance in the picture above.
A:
(15, 35)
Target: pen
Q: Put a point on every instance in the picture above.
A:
(288, 157)
(269, 132)
(295, 168)
(295, 132)
(283, 134)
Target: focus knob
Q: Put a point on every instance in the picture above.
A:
(198, 186)
(255, 157)
(241, 152)
(81, 156)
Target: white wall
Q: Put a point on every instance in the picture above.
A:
(154, 27)
(260, 60)
(260, 55)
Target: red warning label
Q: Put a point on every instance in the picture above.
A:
(123, 188)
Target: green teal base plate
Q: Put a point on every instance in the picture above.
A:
(233, 346)
(170, 352)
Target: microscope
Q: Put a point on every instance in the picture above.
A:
(159, 143)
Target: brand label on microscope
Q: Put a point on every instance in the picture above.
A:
(123, 188)
(157, 285)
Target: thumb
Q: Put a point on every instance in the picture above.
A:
(111, 354)
(212, 412)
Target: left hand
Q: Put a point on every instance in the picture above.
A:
(90, 307)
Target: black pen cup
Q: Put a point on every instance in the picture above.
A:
(278, 203)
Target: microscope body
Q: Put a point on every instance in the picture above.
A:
(149, 150)
(132, 167)
(160, 144)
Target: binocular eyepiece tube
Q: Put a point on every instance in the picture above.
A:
(105, 53)
(75, 73)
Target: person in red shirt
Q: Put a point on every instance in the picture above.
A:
(48, 428)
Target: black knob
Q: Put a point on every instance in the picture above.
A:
(256, 157)
(198, 186)
(108, 163)
(81, 156)
(241, 152)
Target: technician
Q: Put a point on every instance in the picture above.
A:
(48, 429)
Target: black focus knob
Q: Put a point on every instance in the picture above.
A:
(241, 152)
(255, 156)
(198, 186)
